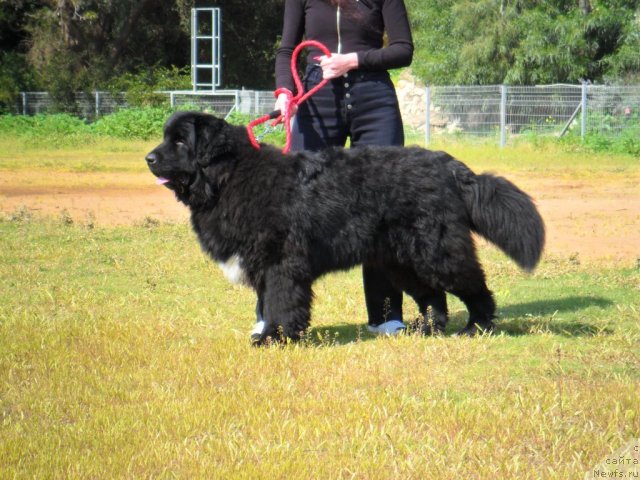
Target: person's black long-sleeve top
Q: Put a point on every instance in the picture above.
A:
(357, 27)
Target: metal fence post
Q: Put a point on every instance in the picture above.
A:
(427, 116)
(97, 104)
(172, 99)
(583, 126)
(24, 103)
(503, 115)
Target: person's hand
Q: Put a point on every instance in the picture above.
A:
(281, 104)
(337, 64)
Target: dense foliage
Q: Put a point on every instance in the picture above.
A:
(67, 45)
(526, 41)
(64, 46)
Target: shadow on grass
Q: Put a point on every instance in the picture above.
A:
(540, 317)
(519, 319)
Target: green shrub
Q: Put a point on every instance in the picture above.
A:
(140, 123)
(135, 123)
(146, 123)
(43, 125)
(627, 142)
(141, 88)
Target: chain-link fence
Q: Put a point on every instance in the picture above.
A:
(613, 110)
(88, 105)
(495, 111)
(92, 105)
(221, 103)
(252, 102)
(509, 112)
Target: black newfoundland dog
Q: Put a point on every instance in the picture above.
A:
(276, 222)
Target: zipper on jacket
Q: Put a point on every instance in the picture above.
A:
(338, 29)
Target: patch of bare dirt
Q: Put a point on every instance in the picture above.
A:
(105, 199)
(583, 217)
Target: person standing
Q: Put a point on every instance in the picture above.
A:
(359, 103)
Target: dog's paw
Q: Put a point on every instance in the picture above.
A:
(265, 334)
(475, 329)
(262, 341)
(262, 334)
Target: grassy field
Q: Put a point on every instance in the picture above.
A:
(125, 354)
(85, 156)
(104, 154)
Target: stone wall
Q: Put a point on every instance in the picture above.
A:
(412, 97)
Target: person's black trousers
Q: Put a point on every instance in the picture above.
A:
(363, 107)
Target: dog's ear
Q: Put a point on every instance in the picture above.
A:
(212, 139)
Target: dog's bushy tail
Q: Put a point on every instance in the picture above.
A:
(503, 214)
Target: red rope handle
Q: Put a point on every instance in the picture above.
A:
(292, 100)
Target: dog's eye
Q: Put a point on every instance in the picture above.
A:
(179, 143)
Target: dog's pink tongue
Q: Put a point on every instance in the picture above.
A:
(162, 180)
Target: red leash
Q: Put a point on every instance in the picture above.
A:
(292, 100)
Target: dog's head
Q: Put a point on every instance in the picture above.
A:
(193, 156)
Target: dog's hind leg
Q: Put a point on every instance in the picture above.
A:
(472, 289)
(286, 304)
(457, 270)
(481, 308)
(433, 321)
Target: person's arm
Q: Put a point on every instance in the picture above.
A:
(399, 51)
(292, 33)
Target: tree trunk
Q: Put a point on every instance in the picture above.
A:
(67, 13)
(585, 6)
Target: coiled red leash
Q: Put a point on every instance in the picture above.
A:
(301, 96)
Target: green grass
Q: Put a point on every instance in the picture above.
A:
(96, 154)
(100, 155)
(543, 156)
(124, 353)
(108, 154)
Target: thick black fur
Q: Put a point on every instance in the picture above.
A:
(291, 218)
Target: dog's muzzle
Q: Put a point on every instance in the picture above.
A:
(151, 158)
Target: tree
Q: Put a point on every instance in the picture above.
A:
(436, 54)
(69, 45)
(250, 36)
(15, 72)
(525, 41)
(80, 44)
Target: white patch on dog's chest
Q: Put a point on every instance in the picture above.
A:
(233, 271)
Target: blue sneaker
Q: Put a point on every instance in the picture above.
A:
(390, 328)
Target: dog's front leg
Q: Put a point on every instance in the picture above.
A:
(286, 303)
